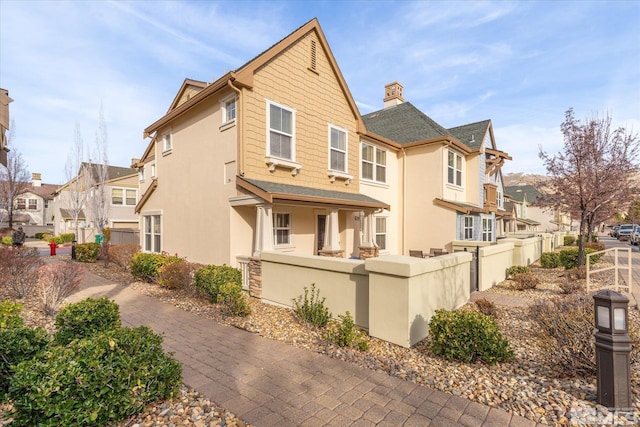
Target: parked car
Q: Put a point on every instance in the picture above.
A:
(625, 231)
(614, 231)
(634, 239)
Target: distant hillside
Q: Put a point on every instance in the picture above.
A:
(516, 178)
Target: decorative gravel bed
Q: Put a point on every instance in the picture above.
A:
(526, 386)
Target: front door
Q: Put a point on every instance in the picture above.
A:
(322, 221)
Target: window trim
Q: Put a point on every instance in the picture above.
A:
(374, 163)
(167, 142)
(276, 229)
(124, 196)
(456, 171)
(34, 208)
(385, 234)
(22, 201)
(274, 161)
(152, 233)
(487, 230)
(466, 227)
(225, 110)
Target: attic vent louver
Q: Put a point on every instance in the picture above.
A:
(312, 63)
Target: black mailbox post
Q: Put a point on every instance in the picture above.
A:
(613, 348)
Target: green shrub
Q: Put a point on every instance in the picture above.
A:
(345, 334)
(564, 328)
(233, 300)
(146, 266)
(7, 241)
(10, 315)
(38, 236)
(46, 236)
(95, 381)
(209, 278)
(550, 260)
(467, 336)
(311, 309)
(569, 257)
(517, 269)
(67, 237)
(86, 318)
(569, 240)
(176, 275)
(16, 345)
(87, 252)
(524, 281)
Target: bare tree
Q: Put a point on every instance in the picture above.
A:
(99, 198)
(14, 178)
(591, 176)
(77, 186)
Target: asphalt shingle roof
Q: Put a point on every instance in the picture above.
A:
(472, 134)
(403, 124)
(517, 192)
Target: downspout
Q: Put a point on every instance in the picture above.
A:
(239, 126)
(404, 201)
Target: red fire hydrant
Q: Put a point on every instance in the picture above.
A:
(52, 247)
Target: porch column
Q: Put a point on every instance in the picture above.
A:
(331, 246)
(264, 230)
(368, 247)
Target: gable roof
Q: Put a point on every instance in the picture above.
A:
(243, 76)
(472, 134)
(113, 172)
(44, 190)
(271, 191)
(519, 192)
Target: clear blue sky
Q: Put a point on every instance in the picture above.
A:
(520, 64)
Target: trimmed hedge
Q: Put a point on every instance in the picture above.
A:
(87, 252)
(10, 315)
(146, 266)
(95, 381)
(569, 240)
(17, 345)
(209, 278)
(569, 257)
(550, 260)
(467, 336)
(86, 318)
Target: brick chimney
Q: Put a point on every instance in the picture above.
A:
(393, 94)
(36, 179)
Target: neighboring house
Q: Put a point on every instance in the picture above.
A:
(122, 195)
(35, 205)
(534, 215)
(4, 124)
(276, 156)
(450, 178)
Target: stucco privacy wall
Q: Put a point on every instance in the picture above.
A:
(405, 292)
(343, 282)
(525, 251)
(493, 263)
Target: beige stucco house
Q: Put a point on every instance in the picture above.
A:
(121, 192)
(276, 156)
(534, 215)
(35, 205)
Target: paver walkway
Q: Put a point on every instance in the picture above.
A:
(269, 383)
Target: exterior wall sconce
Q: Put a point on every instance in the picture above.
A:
(613, 348)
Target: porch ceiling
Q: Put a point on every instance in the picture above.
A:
(273, 192)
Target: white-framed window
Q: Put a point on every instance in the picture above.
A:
(281, 131)
(141, 174)
(487, 229)
(153, 170)
(22, 204)
(152, 228)
(454, 168)
(33, 204)
(228, 110)
(468, 228)
(281, 228)
(123, 196)
(374, 163)
(499, 200)
(337, 149)
(381, 233)
(166, 142)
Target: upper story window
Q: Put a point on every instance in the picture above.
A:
(500, 200)
(33, 204)
(337, 149)
(454, 168)
(22, 204)
(229, 110)
(374, 163)
(141, 174)
(153, 170)
(123, 196)
(281, 139)
(166, 142)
